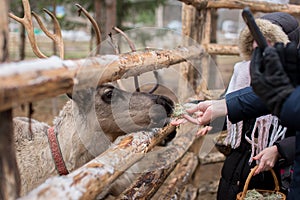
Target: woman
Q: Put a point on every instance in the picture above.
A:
(263, 136)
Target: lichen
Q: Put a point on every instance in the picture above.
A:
(179, 110)
(256, 195)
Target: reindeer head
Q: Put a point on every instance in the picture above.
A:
(119, 112)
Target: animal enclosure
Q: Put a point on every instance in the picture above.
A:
(160, 172)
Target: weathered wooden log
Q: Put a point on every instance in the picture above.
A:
(9, 174)
(192, 23)
(208, 187)
(95, 176)
(212, 157)
(222, 49)
(259, 6)
(172, 187)
(189, 192)
(147, 183)
(35, 80)
(161, 162)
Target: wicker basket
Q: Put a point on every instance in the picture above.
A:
(241, 195)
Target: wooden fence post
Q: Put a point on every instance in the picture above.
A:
(9, 174)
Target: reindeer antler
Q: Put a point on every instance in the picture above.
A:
(131, 44)
(56, 37)
(133, 49)
(94, 23)
(27, 23)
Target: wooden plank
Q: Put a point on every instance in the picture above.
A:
(9, 173)
(35, 80)
(212, 157)
(220, 49)
(258, 6)
(189, 192)
(148, 183)
(192, 24)
(94, 177)
(179, 177)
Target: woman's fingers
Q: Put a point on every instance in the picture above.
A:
(177, 122)
(192, 119)
(203, 131)
(260, 168)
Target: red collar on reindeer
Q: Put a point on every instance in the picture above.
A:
(56, 153)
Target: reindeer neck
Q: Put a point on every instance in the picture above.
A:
(73, 150)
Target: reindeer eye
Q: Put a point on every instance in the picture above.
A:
(107, 95)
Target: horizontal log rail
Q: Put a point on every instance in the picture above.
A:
(29, 81)
(220, 49)
(240, 4)
(146, 184)
(179, 177)
(95, 176)
(149, 182)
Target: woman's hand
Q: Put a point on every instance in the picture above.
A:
(202, 114)
(267, 159)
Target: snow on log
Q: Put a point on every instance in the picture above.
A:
(95, 176)
(179, 177)
(259, 6)
(29, 81)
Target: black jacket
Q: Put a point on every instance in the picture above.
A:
(245, 104)
(249, 105)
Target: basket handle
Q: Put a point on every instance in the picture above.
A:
(277, 188)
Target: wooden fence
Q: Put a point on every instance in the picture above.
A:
(26, 82)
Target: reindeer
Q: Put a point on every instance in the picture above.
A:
(84, 128)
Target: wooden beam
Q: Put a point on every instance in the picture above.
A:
(9, 173)
(179, 177)
(258, 6)
(29, 81)
(95, 176)
(192, 27)
(220, 49)
(149, 182)
(189, 192)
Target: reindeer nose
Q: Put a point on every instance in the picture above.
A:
(167, 103)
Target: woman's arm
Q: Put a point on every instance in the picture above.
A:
(244, 104)
(290, 112)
